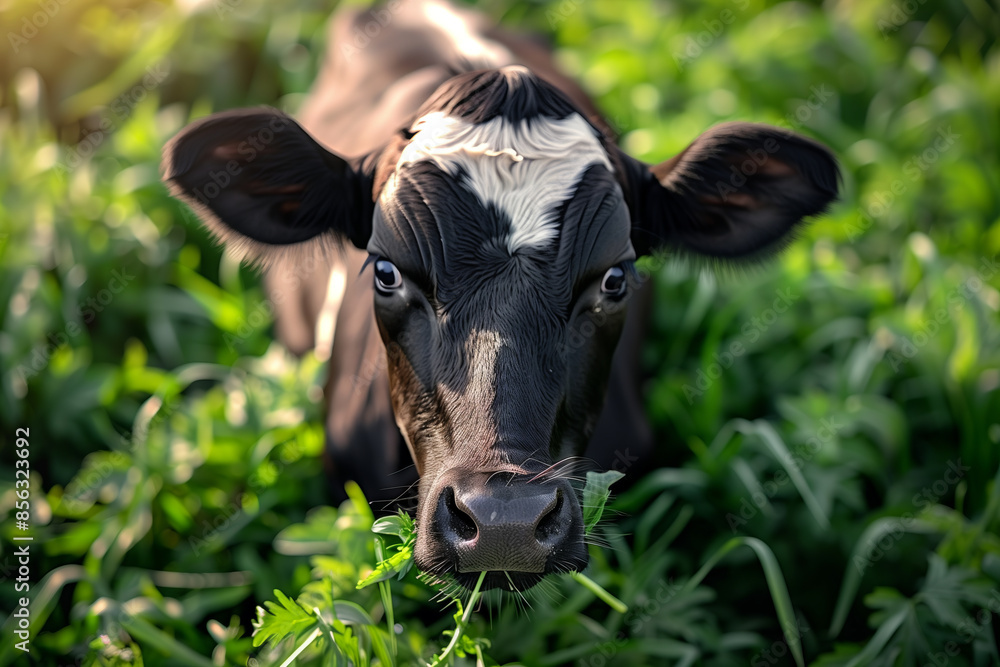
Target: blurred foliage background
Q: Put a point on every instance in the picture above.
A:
(856, 433)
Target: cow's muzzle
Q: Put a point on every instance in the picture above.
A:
(516, 530)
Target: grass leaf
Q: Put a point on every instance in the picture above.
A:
(284, 618)
(775, 584)
(595, 496)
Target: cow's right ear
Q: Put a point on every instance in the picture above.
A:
(257, 179)
(740, 190)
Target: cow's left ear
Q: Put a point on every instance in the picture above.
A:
(738, 190)
(258, 180)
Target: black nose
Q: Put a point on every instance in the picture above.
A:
(491, 523)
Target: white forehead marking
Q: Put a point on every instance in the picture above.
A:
(524, 169)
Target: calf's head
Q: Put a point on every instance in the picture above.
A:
(502, 229)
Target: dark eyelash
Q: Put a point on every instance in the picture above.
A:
(371, 260)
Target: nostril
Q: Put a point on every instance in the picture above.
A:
(549, 527)
(459, 522)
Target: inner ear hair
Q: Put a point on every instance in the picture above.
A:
(741, 190)
(264, 187)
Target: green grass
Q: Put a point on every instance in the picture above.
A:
(829, 423)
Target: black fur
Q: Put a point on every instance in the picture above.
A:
(512, 93)
(739, 190)
(257, 177)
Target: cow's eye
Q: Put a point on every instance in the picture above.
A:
(614, 282)
(387, 276)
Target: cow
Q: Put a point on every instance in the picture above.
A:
(476, 229)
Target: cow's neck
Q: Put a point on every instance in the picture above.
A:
(367, 90)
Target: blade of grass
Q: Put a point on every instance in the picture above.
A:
(360, 502)
(595, 496)
(746, 475)
(775, 584)
(383, 589)
(46, 596)
(650, 518)
(725, 435)
(880, 639)
(661, 647)
(672, 531)
(785, 459)
(782, 455)
(150, 635)
(852, 576)
(313, 636)
(596, 589)
(460, 627)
